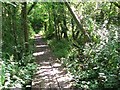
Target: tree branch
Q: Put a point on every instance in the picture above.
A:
(32, 6)
(116, 4)
(77, 20)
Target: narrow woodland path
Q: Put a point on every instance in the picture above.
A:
(50, 74)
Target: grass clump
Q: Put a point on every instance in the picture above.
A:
(60, 48)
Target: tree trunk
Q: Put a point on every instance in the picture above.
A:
(65, 25)
(24, 25)
(75, 17)
(45, 25)
(55, 22)
(14, 24)
(73, 32)
(16, 54)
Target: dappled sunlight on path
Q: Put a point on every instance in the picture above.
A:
(50, 73)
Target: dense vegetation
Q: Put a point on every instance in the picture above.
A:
(17, 65)
(83, 35)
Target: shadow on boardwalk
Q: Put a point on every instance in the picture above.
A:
(50, 74)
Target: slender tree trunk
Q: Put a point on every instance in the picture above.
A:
(65, 26)
(58, 34)
(49, 18)
(14, 31)
(14, 25)
(24, 25)
(73, 32)
(1, 30)
(76, 18)
(55, 22)
(45, 25)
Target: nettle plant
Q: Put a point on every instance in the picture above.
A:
(10, 76)
(101, 67)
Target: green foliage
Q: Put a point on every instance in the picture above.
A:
(31, 31)
(93, 62)
(100, 70)
(17, 66)
(60, 48)
(2, 73)
(38, 17)
(49, 34)
(13, 78)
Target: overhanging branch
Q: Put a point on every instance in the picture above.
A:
(32, 6)
(77, 20)
(116, 4)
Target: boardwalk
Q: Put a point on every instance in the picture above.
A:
(50, 74)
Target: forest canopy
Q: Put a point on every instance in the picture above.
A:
(84, 36)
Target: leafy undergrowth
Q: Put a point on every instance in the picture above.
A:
(60, 48)
(97, 67)
(17, 72)
(99, 71)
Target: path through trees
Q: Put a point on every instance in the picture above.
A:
(50, 73)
